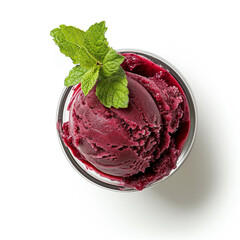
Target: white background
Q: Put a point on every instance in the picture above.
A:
(43, 197)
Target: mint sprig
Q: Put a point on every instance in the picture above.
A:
(97, 63)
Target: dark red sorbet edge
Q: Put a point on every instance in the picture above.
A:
(147, 68)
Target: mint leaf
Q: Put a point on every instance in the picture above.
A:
(89, 79)
(111, 62)
(75, 76)
(66, 47)
(85, 59)
(95, 41)
(71, 42)
(73, 35)
(96, 60)
(112, 91)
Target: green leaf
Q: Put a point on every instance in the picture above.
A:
(75, 76)
(95, 41)
(112, 91)
(111, 62)
(66, 47)
(85, 59)
(73, 35)
(96, 61)
(89, 79)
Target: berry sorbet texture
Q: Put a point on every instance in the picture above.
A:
(137, 145)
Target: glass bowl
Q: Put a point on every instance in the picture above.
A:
(91, 175)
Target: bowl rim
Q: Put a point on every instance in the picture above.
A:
(187, 147)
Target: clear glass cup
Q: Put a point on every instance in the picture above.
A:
(92, 176)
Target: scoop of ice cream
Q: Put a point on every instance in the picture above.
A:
(119, 142)
(140, 144)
